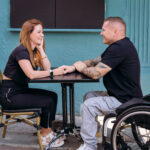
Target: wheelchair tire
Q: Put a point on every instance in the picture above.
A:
(125, 135)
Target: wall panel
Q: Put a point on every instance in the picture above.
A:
(138, 27)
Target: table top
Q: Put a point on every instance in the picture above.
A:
(67, 78)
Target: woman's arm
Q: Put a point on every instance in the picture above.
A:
(29, 72)
(32, 74)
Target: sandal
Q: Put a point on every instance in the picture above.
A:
(50, 136)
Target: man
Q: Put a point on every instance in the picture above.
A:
(120, 66)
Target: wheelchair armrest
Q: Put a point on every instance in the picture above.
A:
(131, 103)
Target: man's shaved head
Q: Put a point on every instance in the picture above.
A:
(113, 29)
(117, 22)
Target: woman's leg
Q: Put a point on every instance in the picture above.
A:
(35, 98)
(38, 98)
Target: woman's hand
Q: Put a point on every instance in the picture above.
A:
(40, 46)
(44, 59)
(58, 71)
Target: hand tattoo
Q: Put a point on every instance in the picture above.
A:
(101, 65)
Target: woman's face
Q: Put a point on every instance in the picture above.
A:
(36, 37)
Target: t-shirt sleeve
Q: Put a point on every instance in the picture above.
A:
(22, 54)
(113, 56)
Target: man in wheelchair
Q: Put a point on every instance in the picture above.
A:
(119, 66)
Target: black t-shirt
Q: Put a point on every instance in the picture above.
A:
(123, 81)
(12, 69)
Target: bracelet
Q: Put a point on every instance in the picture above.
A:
(44, 57)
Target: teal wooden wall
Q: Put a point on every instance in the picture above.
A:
(68, 46)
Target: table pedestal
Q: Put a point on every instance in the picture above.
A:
(64, 104)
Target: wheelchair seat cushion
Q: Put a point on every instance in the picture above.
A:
(132, 103)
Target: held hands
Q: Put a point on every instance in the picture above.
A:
(79, 66)
(63, 70)
(67, 69)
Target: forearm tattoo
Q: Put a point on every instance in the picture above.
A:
(101, 65)
(92, 62)
(91, 72)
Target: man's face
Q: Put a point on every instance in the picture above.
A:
(107, 33)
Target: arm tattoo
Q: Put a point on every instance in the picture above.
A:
(101, 65)
(97, 71)
(91, 72)
(92, 62)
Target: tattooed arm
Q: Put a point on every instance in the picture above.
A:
(92, 62)
(93, 72)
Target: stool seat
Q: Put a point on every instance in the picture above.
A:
(38, 110)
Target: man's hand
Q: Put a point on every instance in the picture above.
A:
(80, 66)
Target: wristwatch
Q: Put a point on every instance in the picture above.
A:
(51, 73)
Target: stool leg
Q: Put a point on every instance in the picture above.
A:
(4, 130)
(1, 118)
(5, 126)
(38, 133)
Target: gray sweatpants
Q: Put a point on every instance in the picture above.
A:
(96, 103)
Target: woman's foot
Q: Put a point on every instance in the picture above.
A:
(46, 140)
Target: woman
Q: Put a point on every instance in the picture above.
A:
(22, 64)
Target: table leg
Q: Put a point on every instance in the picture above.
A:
(72, 115)
(64, 104)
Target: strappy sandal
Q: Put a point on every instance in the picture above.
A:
(50, 136)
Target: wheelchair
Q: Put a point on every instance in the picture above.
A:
(131, 126)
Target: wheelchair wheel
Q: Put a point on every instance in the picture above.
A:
(131, 130)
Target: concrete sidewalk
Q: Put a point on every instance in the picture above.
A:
(27, 141)
(20, 137)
